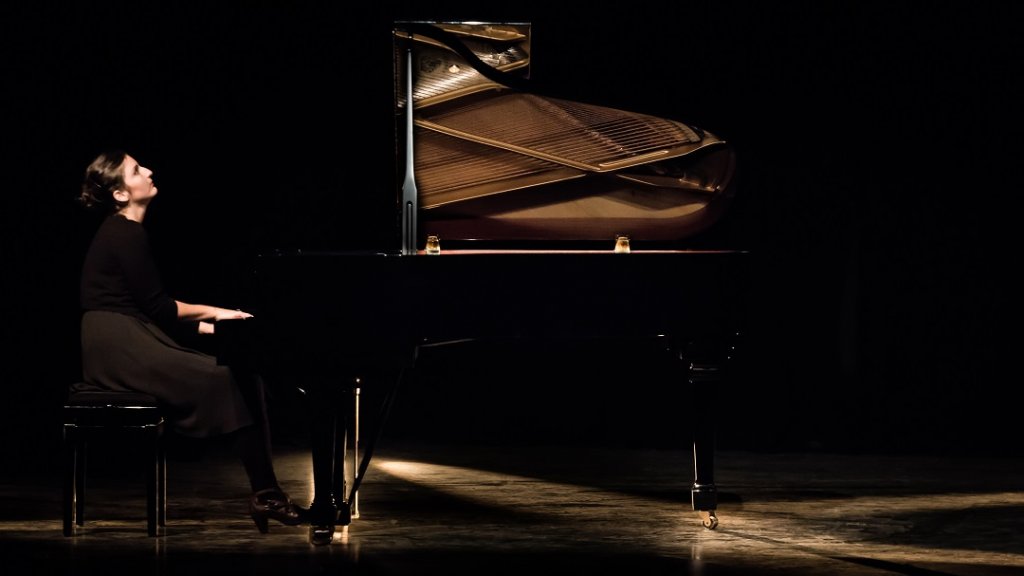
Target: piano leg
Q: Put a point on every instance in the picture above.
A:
(339, 469)
(705, 364)
(353, 493)
(331, 426)
(335, 426)
(347, 430)
(704, 493)
(323, 511)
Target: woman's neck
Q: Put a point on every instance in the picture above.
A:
(135, 212)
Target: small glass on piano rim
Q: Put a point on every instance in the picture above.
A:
(433, 245)
(621, 244)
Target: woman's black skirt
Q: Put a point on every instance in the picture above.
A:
(120, 352)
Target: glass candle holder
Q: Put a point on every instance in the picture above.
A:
(433, 245)
(622, 244)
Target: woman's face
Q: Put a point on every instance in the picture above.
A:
(138, 181)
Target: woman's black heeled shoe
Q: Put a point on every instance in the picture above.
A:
(273, 503)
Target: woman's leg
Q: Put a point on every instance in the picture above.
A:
(254, 441)
(268, 499)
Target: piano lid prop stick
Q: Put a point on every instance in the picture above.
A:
(409, 192)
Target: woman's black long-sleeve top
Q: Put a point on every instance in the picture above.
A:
(120, 274)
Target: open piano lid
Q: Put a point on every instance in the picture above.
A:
(486, 159)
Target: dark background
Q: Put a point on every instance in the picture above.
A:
(876, 144)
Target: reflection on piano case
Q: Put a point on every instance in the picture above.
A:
(492, 161)
(486, 164)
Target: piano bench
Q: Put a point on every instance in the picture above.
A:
(114, 415)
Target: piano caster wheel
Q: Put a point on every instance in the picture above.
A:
(321, 535)
(709, 520)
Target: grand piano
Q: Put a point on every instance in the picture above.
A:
(520, 216)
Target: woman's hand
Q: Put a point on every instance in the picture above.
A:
(203, 313)
(225, 314)
(219, 314)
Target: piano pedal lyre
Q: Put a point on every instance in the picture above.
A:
(348, 468)
(353, 499)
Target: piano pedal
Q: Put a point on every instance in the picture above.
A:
(344, 515)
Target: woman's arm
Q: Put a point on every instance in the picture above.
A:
(201, 312)
(207, 315)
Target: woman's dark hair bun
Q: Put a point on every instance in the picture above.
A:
(102, 177)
